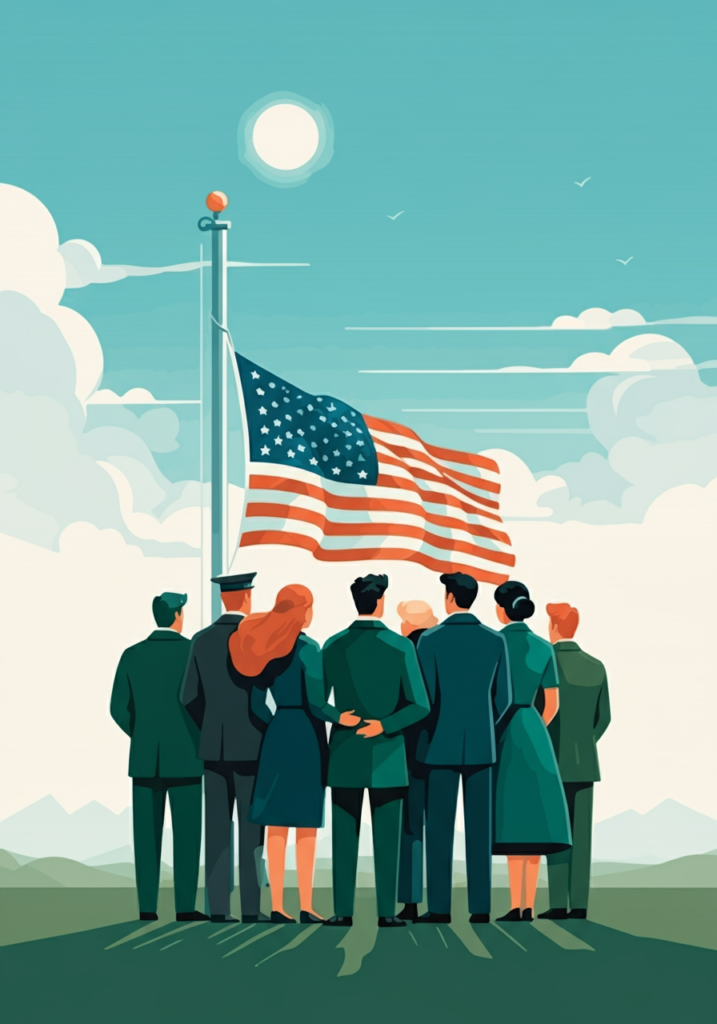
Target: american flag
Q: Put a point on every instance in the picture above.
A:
(348, 487)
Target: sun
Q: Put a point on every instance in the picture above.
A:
(285, 136)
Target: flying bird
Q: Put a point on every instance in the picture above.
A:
(624, 262)
(394, 217)
(580, 183)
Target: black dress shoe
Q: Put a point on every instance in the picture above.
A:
(391, 922)
(339, 922)
(192, 915)
(578, 915)
(306, 917)
(409, 912)
(278, 918)
(224, 919)
(431, 918)
(479, 919)
(512, 915)
(527, 914)
(145, 915)
(556, 914)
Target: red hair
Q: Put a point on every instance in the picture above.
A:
(564, 618)
(267, 635)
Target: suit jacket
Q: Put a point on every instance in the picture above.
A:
(466, 669)
(584, 713)
(375, 672)
(145, 704)
(228, 708)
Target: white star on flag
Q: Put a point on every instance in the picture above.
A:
(335, 470)
(291, 454)
(313, 462)
(259, 391)
(265, 450)
(363, 474)
(262, 410)
(254, 375)
(265, 430)
(278, 440)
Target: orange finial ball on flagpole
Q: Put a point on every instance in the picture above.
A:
(217, 201)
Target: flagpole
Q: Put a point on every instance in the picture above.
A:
(217, 203)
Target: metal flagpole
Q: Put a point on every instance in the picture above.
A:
(217, 202)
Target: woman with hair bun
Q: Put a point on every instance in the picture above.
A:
(531, 815)
(272, 649)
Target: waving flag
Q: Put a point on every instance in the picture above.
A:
(348, 487)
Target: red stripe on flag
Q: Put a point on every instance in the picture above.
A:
(332, 529)
(449, 454)
(282, 483)
(297, 540)
(450, 474)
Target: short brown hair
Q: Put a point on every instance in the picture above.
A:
(564, 618)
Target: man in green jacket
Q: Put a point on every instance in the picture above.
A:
(374, 674)
(163, 758)
(583, 717)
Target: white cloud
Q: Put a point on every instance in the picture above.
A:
(642, 352)
(135, 396)
(598, 319)
(50, 365)
(84, 266)
(519, 490)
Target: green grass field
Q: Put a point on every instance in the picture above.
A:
(80, 956)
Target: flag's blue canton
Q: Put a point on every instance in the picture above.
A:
(290, 427)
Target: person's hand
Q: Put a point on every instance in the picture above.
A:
(372, 728)
(349, 718)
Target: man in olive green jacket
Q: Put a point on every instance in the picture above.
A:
(583, 717)
(163, 757)
(375, 676)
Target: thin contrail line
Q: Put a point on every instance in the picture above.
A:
(530, 430)
(493, 410)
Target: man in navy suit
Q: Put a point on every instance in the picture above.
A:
(465, 666)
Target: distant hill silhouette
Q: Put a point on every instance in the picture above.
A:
(668, 831)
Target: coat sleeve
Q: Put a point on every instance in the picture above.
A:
(549, 679)
(258, 705)
(502, 687)
(429, 670)
(192, 692)
(313, 666)
(122, 702)
(414, 692)
(602, 717)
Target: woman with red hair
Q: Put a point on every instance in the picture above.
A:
(272, 649)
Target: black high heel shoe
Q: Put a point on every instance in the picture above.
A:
(278, 918)
(306, 917)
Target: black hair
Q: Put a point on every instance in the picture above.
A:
(514, 599)
(367, 591)
(463, 587)
(163, 614)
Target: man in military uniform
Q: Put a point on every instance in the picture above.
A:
(163, 757)
(583, 717)
(232, 716)
(375, 676)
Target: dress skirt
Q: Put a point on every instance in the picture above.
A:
(290, 780)
(531, 815)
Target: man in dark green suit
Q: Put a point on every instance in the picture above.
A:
(163, 758)
(232, 715)
(465, 666)
(582, 718)
(375, 677)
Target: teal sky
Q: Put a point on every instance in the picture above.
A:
(475, 119)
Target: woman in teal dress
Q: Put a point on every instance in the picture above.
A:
(277, 655)
(531, 815)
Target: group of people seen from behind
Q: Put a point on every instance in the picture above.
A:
(510, 717)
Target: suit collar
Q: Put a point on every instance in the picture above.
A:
(165, 634)
(461, 619)
(566, 645)
(229, 618)
(368, 624)
(517, 627)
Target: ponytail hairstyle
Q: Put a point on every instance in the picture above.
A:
(514, 599)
